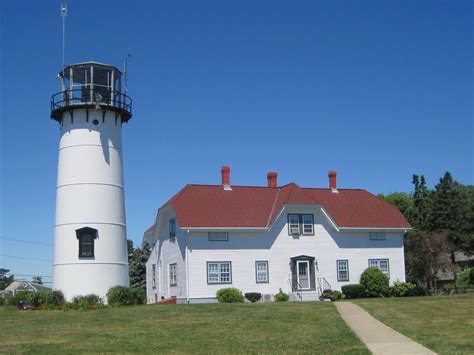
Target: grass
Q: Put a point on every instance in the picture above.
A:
(444, 324)
(210, 328)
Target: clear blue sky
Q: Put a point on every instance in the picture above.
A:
(377, 90)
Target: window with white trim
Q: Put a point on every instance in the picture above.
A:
(377, 236)
(293, 224)
(172, 228)
(308, 224)
(153, 276)
(342, 270)
(218, 236)
(219, 272)
(381, 264)
(300, 224)
(173, 275)
(261, 271)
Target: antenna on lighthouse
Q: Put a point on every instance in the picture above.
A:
(125, 74)
(63, 15)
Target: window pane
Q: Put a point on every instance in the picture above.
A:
(294, 219)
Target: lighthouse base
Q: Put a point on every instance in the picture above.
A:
(89, 278)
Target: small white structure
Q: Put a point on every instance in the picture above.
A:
(25, 286)
(90, 253)
(263, 239)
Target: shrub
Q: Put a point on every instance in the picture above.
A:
(17, 298)
(466, 279)
(352, 291)
(449, 288)
(375, 282)
(281, 296)
(2, 301)
(138, 295)
(68, 306)
(48, 307)
(253, 296)
(229, 295)
(55, 298)
(402, 289)
(36, 299)
(124, 296)
(337, 295)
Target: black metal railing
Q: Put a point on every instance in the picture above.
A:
(97, 95)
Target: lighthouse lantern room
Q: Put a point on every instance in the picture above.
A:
(90, 249)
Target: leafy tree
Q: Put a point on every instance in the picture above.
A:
(37, 279)
(137, 258)
(427, 253)
(4, 279)
(404, 202)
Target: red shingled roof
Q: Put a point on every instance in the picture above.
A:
(257, 207)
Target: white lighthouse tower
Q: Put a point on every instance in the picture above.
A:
(90, 249)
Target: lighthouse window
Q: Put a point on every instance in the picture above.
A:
(86, 237)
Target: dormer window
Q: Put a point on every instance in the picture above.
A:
(300, 224)
(86, 237)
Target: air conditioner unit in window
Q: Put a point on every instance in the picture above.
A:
(294, 231)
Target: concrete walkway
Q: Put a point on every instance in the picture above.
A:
(379, 338)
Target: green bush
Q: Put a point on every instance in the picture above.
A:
(68, 306)
(229, 295)
(466, 279)
(352, 291)
(375, 282)
(402, 289)
(48, 307)
(253, 296)
(20, 296)
(2, 301)
(281, 297)
(124, 296)
(36, 299)
(55, 298)
(337, 295)
(449, 288)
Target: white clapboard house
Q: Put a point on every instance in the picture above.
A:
(270, 238)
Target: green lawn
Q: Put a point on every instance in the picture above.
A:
(444, 324)
(210, 328)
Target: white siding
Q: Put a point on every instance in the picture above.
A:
(171, 252)
(277, 247)
(152, 294)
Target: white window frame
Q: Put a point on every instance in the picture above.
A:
(218, 236)
(377, 236)
(217, 272)
(173, 272)
(306, 225)
(341, 267)
(377, 263)
(294, 228)
(153, 276)
(259, 272)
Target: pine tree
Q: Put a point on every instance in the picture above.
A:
(421, 203)
(137, 258)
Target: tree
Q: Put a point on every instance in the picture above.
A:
(4, 279)
(450, 213)
(404, 202)
(421, 203)
(427, 253)
(137, 258)
(37, 279)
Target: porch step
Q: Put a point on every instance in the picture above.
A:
(304, 296)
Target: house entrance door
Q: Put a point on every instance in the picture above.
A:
(303, 274)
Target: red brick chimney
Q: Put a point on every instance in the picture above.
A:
(225, 173)
(332, 180)
(272, 179)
